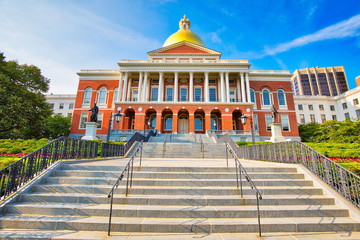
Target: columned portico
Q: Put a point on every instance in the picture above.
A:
(125, 86)
(222, 87)
(206, 90)
(140, 86)
(243, 96)
(176, 86)
(248, 87)
(227, 87)
(161, 93)
(191, 87)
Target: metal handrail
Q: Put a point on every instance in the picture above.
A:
(337, 177)
(202, 144)
(129, 168)
(240, 169)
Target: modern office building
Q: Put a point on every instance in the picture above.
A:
(321, 108)
(62, 103)
(326, 81)
(184, 87)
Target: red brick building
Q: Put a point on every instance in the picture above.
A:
(184, 87)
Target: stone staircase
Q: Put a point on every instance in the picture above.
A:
(183, 146)
(173, 200)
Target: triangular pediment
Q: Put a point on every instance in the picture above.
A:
(184, 47)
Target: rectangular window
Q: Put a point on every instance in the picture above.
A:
(183, 94)
(231, 81)
(300, 107)
(302, 118)
(83, 119)
(285, 123)
(321, 107)
(232, 96)
(155, 81)
(358, 114)
(100, 119)
(134, 95)
(344, 105)
(311, 107)
(212, 81)
(69, 114)
(197, 92)
(312, 117)
(334, 117)
(154, 94)
(212, 94)
(71, 106)
(51, 105)
(256, 122)
(347, 116)
(169, 94)
(268, 121)
(61, 106)
(323, 117)
(356, 101)
(332, 107)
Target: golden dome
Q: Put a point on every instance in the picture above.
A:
(184, 34)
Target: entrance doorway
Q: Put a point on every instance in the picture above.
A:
(183, 121)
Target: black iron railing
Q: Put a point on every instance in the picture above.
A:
(128, 171)
(232, 147)
(114, 150)
(339, 178)
(20, 172)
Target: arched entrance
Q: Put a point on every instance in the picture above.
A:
(129, 119)
(199, 121)
(216, 120)
(167, 121)
(150, 119)
(183, 121)
(237, 125)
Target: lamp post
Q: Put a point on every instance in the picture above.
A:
(117, 118)
(243, 121)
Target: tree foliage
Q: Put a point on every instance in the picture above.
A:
(23, 108)
(331, 131)
(56, 126)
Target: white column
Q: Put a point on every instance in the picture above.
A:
(144, 95)
(238, 88)
(160, 94)
(125, 87)
(206, 88)
(120, 85)
(222, 87)
(247, 87)
(191, 87)
(176, 83)
(227, 87)
(140, 86)
(129, 90)
(243, 96)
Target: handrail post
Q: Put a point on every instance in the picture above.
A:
(227, 157)
(141, 149)
(110, 215)
(127, 179)
(241, 190)
(237, 174)
(258, 210)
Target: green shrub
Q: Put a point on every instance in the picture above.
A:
(15, 150)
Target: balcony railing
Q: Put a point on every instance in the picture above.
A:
(181, 61)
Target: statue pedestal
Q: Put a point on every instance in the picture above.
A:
(276, 135)
(90, 133)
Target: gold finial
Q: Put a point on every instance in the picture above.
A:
(184, 23)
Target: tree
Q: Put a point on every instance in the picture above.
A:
(308, 131)
(23, 108)
(56, 126)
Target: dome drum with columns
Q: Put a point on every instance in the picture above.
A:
(184, 87)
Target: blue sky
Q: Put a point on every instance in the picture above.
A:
(63, 36)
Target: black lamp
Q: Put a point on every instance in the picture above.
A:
(118, 116)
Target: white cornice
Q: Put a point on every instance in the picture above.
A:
(175, 45)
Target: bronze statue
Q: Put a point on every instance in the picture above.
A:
(274, 114)
(94, 112)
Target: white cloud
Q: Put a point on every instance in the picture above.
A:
(347, 28)
(63, 38)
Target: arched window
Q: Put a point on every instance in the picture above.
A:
(102, 96)
(87, 95)
(152, 121)
(115, 95)
(198, 122)
(168, 122)
(266, 97)
(281, 97)
(214, 122)
(252, 95)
